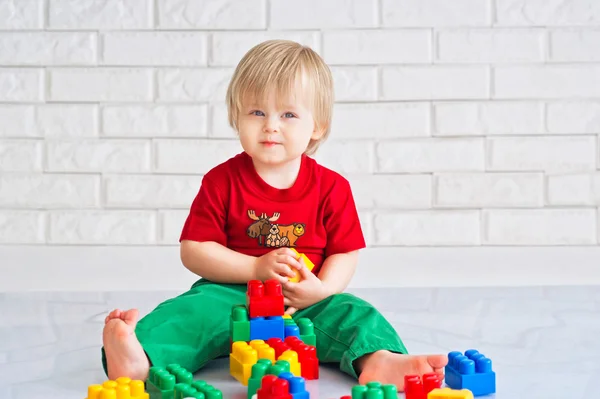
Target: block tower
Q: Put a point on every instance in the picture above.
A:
(266, 343)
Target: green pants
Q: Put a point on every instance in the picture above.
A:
(193, 328)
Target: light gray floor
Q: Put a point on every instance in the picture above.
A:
(544, 342)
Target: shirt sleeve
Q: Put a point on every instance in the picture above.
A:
(207, 217)
(344, 233)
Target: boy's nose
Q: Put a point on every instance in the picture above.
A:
(271, 126)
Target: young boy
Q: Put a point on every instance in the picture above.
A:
(249, 211)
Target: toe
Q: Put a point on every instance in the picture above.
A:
(130, 317)
(437, 361)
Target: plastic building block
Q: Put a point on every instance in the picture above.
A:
(239, 323)
(290, 328)
(375, 389)
(291, 357)
(262, 368)
(198, 390)
(307, 355)
(278, 345)
(307, 262)
(241, 360)
(472, 371)
(297, 386)
(273, 387)
(307, 331)
(264, 299)
(415, 388)
(266, 327)
(161, 382)
(121, 388)
(448, 393)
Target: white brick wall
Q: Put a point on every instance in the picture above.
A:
(459, 124)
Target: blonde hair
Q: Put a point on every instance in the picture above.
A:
(279, 65)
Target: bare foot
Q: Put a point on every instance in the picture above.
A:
(125, 356)
(390, 368)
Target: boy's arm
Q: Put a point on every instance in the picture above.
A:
(216, 262)
(337, 271)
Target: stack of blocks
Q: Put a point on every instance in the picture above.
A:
(267, 344)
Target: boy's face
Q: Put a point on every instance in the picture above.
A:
(274, 134)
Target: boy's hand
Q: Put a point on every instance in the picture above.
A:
(276, 264)
(305, 293)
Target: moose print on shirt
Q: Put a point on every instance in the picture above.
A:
(273, 235)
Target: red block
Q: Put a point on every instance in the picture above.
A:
(415, 388)
(264, 299)
(273, 387)
(307, 356)
(278, 345)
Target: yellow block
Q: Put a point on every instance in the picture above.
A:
(263, 350)
(448, 393)
(292, 358)
(121, 388)
(241, 360)
(307, 262)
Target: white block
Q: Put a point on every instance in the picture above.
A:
(48, 48)
(574, 189)
(138, 191)
(21, 85)
(435, 13)
(193, 156)
(21, 155)
(354, 83)
(22, 14)
(573, 117)
(193, 85)
(170, 226)
(219, 122)
(346, 157)
(211, 14)
(574, 45)
(316, 14)
(392, 191)
(100, 14)
(547, 13)
(22, 227)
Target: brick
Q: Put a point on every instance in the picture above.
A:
(573, 117)
(219, 122)
(96, 15)
(102, 227)
(33, 190)
(154, 120)
(543, 13)
(434, 82)
(548, 154)
(154, 48)
(21, 85)
(478, 190)
(66, 120)
(107, 155)
(21, 227)
(49, 120)
(427, 228)
(574, 45)
(540, 227)
(391, 191)
(351, 121)
(355, 83)
(369, 47)
(431, 155)
(48, 48)
(102, 84)
(211, 14)
(487, 118)
(332, 14)
(435, 13)
(193, 156)
(346, 157)
(193, 85)
(21, 155)
(527, 81)
(574, 189)
(228, 48)
(17, 14)
(138, 191)
(171, 224)
(484, 45)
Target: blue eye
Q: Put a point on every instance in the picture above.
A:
(258, 113)
(289, 115)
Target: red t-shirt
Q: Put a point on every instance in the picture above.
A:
(236, 208)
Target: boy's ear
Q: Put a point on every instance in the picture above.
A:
(318, 132)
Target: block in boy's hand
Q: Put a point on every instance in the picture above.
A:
(265, 299)
(307, 262)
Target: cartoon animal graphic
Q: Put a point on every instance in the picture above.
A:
(261, 227)
(291, 233)
(273, 239)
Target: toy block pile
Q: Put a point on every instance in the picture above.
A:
(268, 347)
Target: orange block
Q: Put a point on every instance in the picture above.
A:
(448, 393)
(307, 262)
(121, 388)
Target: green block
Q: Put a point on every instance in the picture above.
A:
(239, 323)
(374, 390)
(259, 370)
(307, 331)
(198, 389)
(161, 382)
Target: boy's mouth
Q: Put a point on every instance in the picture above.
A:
(269, 143)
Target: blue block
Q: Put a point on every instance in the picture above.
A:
(297, 386)
(266, 327)
(472, 371)
(292, 331)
